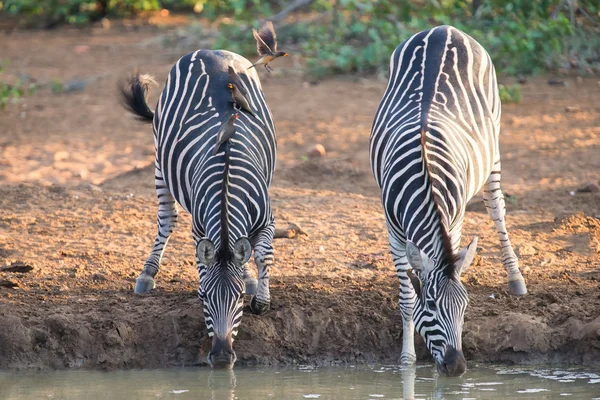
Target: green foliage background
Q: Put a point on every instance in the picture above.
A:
(358, 36)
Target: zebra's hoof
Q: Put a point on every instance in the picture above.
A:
(143, 284)
(408, 360)
(258, 307)
(517, 288)
(251, 285)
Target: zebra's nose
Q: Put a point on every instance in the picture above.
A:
(221, 355)
(454, 363)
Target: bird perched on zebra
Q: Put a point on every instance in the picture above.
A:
(433, 145)
(225, 133)
(217, 164)
(266, 46)
(238, 93)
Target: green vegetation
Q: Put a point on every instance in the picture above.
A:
(49, 13)
(13, 92)
(357, 36)
(510, 93)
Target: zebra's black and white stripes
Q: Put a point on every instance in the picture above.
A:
(225, 189)
(434, 144)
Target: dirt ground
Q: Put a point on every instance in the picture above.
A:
(77, 203)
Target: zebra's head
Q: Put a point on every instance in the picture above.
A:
(222, 287)
(440, 307)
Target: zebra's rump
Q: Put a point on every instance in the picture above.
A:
(194, 104)
(441, 107)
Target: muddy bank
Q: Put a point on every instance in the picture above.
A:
(330, 305)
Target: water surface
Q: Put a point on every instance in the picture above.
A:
(331, 383)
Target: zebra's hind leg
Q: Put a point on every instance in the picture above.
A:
(167, 220)
(263, 256)
(494, 203)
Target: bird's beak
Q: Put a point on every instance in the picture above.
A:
(286, 54)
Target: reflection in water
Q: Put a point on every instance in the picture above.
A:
(222, 383)
(335, 383)
(409, 376)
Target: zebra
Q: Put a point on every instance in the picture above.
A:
(433, 145)
(223, 185)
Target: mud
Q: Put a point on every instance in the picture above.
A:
(77, 203)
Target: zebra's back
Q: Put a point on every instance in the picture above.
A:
(440, 113)
(193, 105)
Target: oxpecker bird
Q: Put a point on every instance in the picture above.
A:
(266, 45)
(225, 133)
(238, 93)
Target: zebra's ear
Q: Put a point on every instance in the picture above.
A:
(417, 259)
(242, 250)
(205, 251)
(466, 256)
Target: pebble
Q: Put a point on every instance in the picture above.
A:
(81, 48)
(317, 151)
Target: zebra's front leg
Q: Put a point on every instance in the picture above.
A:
(493, 199)
(406, 302)
(407, 306)
(263, 256)
(167, 220)
(249, 281)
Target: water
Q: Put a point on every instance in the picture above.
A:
(334, 383)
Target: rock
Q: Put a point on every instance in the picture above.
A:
(317, 151)
(590, 188)
(8, 283)
(526, 250)
(18, 266)
(97, 277)
(571, 109)
(75, 85)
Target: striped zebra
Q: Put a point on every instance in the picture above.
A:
(433, 145)
(223, 186)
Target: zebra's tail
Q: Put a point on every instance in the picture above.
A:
(132, 95)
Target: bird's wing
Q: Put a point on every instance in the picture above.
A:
(266, 39)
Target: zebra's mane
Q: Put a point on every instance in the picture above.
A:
(448, 258)
(224, 252)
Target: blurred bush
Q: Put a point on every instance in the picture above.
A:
(13, 92)
(348, 36)
(522, 36)
(48, 13)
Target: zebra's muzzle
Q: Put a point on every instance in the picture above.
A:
(221, 354)
(453, 364)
